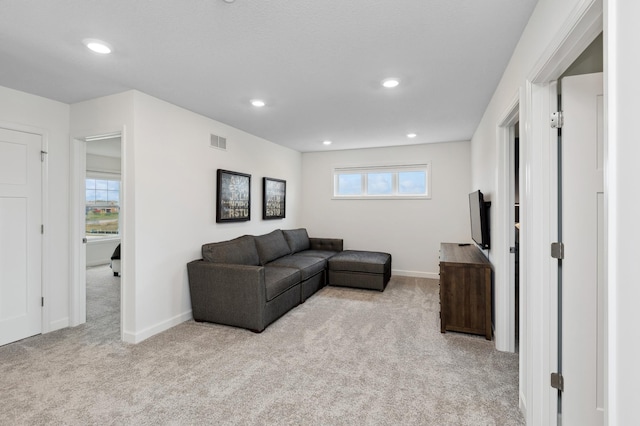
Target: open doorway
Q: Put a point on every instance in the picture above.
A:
(102, 233)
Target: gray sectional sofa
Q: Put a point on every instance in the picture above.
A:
(251, 281)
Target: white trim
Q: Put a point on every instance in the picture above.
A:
(553, 267)
(525, 192)
(542, 269)
(103, 137)
(59, 324)
(78, 263)
(131, 337)
(612, 201)
(46, 309)
(77, 290)
(504, 273)
(395, 170)
(415, 274)
(580, 29)
(380, 197)
(540, 218)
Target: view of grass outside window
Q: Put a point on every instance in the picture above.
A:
(102, 207)
(410, 181)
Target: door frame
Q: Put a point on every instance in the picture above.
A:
(504, 271)
(45, 326)
(539, 357)
(77, 293)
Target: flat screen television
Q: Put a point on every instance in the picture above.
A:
(479, 212)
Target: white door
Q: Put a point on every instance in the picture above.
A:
(20, 235)
(583, 283)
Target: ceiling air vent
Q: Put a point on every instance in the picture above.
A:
(218, 142)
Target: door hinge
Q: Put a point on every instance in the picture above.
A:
(42, 155)
(42, 301)
(513, 250)
(557, 119)
(557, 250)
(557, 381)
(42, 229)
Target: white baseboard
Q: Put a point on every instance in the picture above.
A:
(523, 405)
(417, 274)
(132, 337)
(137, 337)
(58, 324)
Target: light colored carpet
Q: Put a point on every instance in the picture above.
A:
(344, 357)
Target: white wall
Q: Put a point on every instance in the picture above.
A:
(99, 251)
(174, 184)
(546, 20)
(52, 118)
(411, 230)
(550, 23)
(106, 115)
(622, 88)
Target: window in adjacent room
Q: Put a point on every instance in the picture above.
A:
(102, 208)
(382, 182)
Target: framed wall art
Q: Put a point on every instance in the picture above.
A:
(233, 199)
(274, 196)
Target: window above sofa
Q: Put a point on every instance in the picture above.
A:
(412, 181)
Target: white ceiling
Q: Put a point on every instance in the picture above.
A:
(317, 63)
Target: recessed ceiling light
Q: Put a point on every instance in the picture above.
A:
(390, 82)
(229, 1)
(97, 46)
(257, 103)
(411, 135)
(327, 142)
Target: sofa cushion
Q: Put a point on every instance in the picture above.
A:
(277, 280)
(331, 244)
(325, 254)
(271, 246)
(241, 251)
(308, 266)
(298, 239)
(371, 262)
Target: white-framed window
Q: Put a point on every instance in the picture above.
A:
(102, 206)
(411, 181)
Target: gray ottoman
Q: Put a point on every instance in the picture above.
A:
(360, 269)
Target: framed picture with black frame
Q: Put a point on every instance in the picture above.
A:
(233, 197)
(274, 197)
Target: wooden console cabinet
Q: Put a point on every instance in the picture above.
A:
(465, 290)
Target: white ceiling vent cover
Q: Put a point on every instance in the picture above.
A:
(218, 142)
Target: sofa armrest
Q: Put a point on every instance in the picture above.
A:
(332, 244)
(227, 294)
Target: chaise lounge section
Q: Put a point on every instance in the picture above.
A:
(360, 269)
